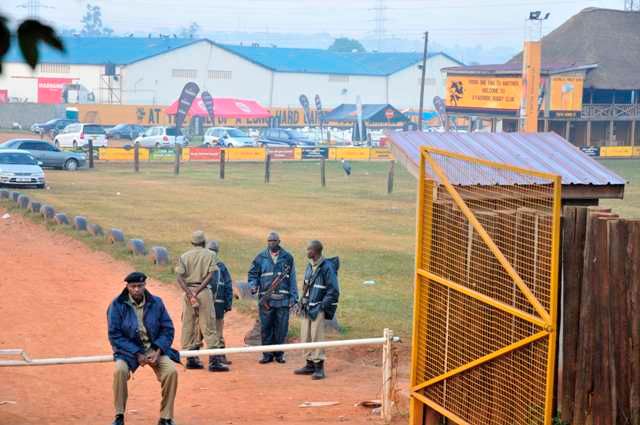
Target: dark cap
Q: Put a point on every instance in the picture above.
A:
(135, 277)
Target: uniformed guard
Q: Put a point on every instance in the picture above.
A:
(320, 294)
(141, 333)
(222, 289)
(274, 263)
(194, 271)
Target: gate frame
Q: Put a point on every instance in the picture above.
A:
(546, 320)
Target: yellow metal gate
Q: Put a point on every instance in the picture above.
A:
(484, 327)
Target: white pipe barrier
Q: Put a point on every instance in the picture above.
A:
(385, 341)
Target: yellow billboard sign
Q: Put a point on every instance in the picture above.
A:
(483, 92)
(566, 92)
(616, 151)
(245, 154)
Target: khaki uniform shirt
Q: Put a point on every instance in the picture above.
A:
(196, 264)
(142, 330)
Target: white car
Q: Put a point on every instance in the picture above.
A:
(78, 135)
(228, 137)
(20, 168)
(160, 137)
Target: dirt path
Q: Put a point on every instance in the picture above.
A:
(54, 294)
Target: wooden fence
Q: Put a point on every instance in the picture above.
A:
(600, 377)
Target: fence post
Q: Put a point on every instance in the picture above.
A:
(387, 377)
(323, 172)
(90, 153)
(392, 169)
(222, 161)
(136, 157)
(267, 167)
(176, 169)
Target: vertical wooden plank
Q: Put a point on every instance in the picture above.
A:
(392, 167)
(176, 168)
(574, 228)
(632, 279)
(323, 172)
(267, 167)
(91, 153)
(222, 163)
(136, 157)
(589, 132)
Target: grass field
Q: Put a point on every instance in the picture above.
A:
(372, 232)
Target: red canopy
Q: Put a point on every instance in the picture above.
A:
(224, 107)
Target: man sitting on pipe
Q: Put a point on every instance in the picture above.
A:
(141, 333)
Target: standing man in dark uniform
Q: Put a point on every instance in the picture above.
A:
(320, 294)
(266, 267)
(221, 287)
(141, 333)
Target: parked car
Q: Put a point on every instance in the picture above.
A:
(49, 155)
(157, 137)
(279, 137)
(125, 131)
(54, 125)
(228, 137)
(78, 136)
(20, 168)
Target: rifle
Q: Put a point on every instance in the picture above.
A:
(275, 284)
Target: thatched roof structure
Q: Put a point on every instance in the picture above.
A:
(606, 37)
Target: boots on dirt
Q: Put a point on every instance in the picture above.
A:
(318, 373)
(216, 365)
(119, 420)
(194, 363)
(307, 369)
(163, 421)
(225, 360)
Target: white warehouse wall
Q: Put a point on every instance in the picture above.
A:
(151, 81)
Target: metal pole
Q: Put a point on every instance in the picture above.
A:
(136, 157)
(424, 72)
(387, 377)
(196, 353)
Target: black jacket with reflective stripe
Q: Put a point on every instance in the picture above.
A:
(323, 290)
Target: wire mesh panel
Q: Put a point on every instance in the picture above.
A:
(486, 288)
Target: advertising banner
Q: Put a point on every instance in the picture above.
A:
(380, 154)
(304, 102)
(189, 92)
(208, 104)
(315, 153)
(282, 153)
(636, 151)
(566, 93)
(484, 92)
(204, 154)
(50, 89)
(121, 154)
(591, 150)
(616, 151)
(354, 154)
(246, 154)
(168, 154)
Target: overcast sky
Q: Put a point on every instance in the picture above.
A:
(466, 22)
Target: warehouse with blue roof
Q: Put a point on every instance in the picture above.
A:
(152, 71)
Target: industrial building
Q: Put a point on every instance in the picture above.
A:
(152, 71)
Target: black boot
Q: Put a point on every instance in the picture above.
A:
(215, 365)
(119, 420)
(265, 359)
(281, 359)
(225, 360)
(164, 421)
(307, 369)
(318, 373)
(194, 363)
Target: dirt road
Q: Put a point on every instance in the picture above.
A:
(55, 292)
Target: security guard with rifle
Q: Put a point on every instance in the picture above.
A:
(320, 294)
(273, 278)
(221, 286)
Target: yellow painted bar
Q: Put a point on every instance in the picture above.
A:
(485, 299)
(487, 240)
(482, 360)
(623, 151)
(121, 154)
(555, 277)
(444, 412)
(352, 154)
(245, 154)
(491, 164)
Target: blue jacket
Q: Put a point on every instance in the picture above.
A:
(262, 273)
(222, 287)
(123, 329)
(320, 290)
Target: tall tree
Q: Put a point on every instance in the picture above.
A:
(192, 31)
(29, 33)
(344, 44)
(92, 25)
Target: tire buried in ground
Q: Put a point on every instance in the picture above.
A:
(136, 247)
(80, 223)
(48, 212)
(4, 194)
(23, 201)
(159, 255)
(15, 195)
(34, 206)
(116, 236)
(61, 219)
(95, 230)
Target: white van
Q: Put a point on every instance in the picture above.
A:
(78, 135)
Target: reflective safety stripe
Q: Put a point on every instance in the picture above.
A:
(220, 301)
(267, 274)
(320, 286)
(283, 292)
(334, 303)
(312, 304)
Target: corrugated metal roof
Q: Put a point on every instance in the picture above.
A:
(546, 152)
(103, 50)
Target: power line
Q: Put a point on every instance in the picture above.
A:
(632, 5)
(33, 8)
(380, 19)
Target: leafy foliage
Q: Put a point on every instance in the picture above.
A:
(346, 45)
(92, 25)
